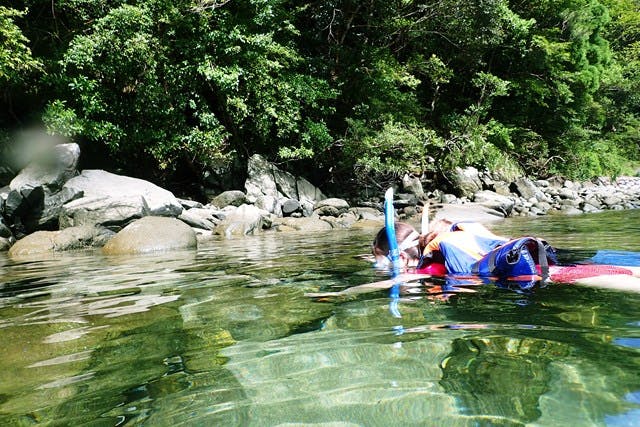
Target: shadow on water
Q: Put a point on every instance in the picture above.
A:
(225, 336)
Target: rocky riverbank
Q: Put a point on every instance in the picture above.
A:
(51, 206)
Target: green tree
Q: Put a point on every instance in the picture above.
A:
(556, 84)
(621, 90)
(179, 82)
(16, 60)
(425, 67)
(17, 64)
(382, 87)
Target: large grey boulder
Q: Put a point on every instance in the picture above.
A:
(495, 201)
(370, 214)
(308, 194)
(260, 179)
(35, 243)
(201, 218)
(467, 181)
(527, 189)
(290, 206)
(306, 224)
(63, 240)
(297, 188)
(36, 194)
(106, 211)
(27, 208)
(229, 198)
(404, 200)
(114, 200)
(412, 185)
(331, 207)
(345, 220)
(23, 148)
(269, 187)
(50, 170)
(267, 203)
(246, 219)
(285, 183)
(190, 204)
(152, 234)
(46, 216)
(567, 193)
(23, 201)
(570, 210)
(612, 200)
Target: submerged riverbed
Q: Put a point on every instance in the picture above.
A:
(225, 336)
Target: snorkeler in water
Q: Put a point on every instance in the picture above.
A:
(469, 248)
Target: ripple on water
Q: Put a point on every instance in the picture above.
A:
(225, 336)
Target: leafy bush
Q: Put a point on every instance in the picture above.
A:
(382, 87)
(16, 60)
(172, 83)
(393, 150)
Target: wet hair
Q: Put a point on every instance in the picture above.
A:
(380, 244)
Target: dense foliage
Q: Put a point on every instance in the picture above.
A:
(376, 87)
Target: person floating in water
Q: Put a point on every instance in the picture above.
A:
(469, 248)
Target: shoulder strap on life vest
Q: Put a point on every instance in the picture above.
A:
(543, 262)
(504, 257)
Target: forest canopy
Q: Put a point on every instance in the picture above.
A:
(346, 91)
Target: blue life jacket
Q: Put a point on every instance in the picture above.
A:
(525, 256)
(461, 246)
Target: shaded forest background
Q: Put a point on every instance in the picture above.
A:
(350, 94)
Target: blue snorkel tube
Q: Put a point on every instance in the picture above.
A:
(390, 228)
(394, 252)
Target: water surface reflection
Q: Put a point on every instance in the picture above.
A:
(225, 336)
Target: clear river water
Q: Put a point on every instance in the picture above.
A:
(226, 336)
